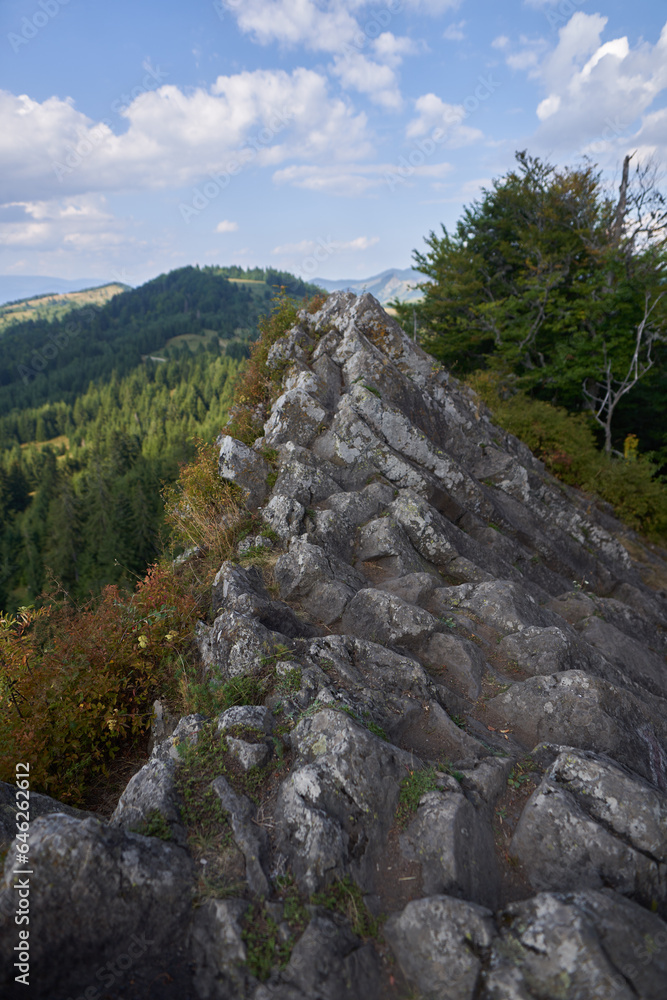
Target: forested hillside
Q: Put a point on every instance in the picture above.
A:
(97, 410)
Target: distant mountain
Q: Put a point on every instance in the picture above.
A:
(25, 286)
(396, 283)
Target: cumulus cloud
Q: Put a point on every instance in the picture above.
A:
(594, 87)
(391, 49)
(434, 113)
(69, 223)
(226, 226)
(379, 82)
(50, 148)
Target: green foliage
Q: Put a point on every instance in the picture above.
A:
(78, 686)
(253, 392)
(543, 278)
(416, 784)
(566, 444)
(264, 947)
(344, 896)
(154, 825)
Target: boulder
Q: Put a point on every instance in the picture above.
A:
(440, 944)
(244, 467)
(577, 945)
(591, 824)
(96, 892)
(453, 843)
(586, 712)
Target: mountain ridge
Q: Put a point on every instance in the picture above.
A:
(454, 715)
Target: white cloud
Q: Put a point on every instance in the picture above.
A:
(50, 149)
(353, 180)
(596, 91)
(226, 226)
(68, 223)
(434, 113)
(296, 22)
(501, 42)
(333, 246)
(390, 49)
(454, 32)
(327, 25)
(523, 60)
(368, 77)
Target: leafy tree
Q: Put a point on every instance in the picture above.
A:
(549, 278)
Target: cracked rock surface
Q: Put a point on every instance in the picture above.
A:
(456, 785)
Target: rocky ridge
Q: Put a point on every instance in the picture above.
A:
(466, 727)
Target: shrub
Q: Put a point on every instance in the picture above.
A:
(78, 684)
(202, 509)
(566, 443)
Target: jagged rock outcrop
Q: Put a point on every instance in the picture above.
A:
(466, 722)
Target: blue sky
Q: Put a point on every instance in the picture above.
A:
(322, 136)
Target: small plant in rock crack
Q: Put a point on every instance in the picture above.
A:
(416, 784)
(289, 682)
(449, 622)
(294, 904)
(154, 825)
(265, 948)
(344, 896)
(521, 773)
(459, 721)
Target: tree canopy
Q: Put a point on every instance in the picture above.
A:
(549, 278)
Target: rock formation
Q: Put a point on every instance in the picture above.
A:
(468, 721)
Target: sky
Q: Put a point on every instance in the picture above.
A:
(324, 137)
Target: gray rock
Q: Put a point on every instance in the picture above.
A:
(243, 466)
(580, 946)
(253, 716)
(576, 709)
(454, 845)
(544, 650)
(460, 662)
(507, 606)
(644, 666)
(284, 515)
(322, 584)
(187, 730)
(381, 617)
(304, 478)
(589, 824)
(96, 892)
(439, 943)
(249, 755)
(234, 645)
(40, 805)
(248, 836)
(383, 543)
(328, 962)
(295, 417)
(336, 807)
(243, 591)
(415, 588)
(151, 790)
(218, 950)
